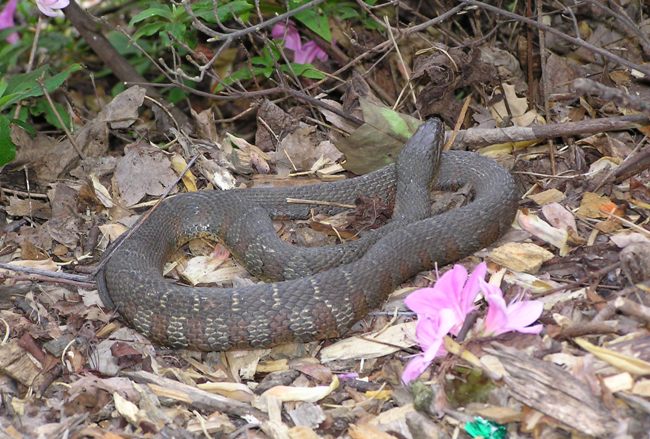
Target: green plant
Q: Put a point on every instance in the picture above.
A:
(29, 87)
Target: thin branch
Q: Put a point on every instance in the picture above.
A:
(46, 273)
(219, 36)
(579, 42)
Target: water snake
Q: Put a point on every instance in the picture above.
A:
(329, 288)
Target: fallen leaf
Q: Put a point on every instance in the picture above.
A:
(547, 196)
(526, 257)
(126, 408)
(377, 142)
(620, 361)
(594, 206)
(544, 231)
(372, 345)
(365, 431)
(101, 192)
(238, 391)
(144, 170)
(288, 393)
(619, 382)
(517, 109)
(189, 179)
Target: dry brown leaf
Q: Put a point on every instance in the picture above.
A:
(594, 206)
(29, 208)
(524, 257)
(144, 170)
(544, 231)
(619, 382)
(244, 363)
(289, 393)
(302, 432)
(240, 392)
(517, 109)
(642, 388)
(179, 165)
(372, 345)
(101, 192)
(365, 431)
(206, 269)
(620, 361)
(547, 196)
(126, 408)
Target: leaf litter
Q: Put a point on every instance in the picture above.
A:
(579, 244)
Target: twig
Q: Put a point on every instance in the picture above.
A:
(23, 193)
(59, 119)
(219, 36)
(629, 26)
(579, 42)
(633, 165)
(588, 87)
(89, 30)
(477, 137)
(544, 86)
(52, 274)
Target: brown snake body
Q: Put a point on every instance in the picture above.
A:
(330, 288)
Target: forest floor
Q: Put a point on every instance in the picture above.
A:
(567, 119)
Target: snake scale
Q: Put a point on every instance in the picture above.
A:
(319, 292)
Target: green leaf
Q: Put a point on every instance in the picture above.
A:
(3, 86)
(7, 147)
(43, 107)
(347, 12)
(26, 85)
(239, 8)
(313, 20)
(177, 30)
(379, 140)
(148, 30)
(304, 70)
(155, 11)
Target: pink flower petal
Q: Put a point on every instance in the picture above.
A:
(308, 53)
(414, 368)
(472, 288)
(454, 291)
(7, 20)
(289, 34)
(428, 301)
(517, 316)
(524, 313)
(430, 333)
(52, 8)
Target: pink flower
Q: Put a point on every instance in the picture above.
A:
(302, 53)
(52, 8)
(455, 290)
(7, 20)
(516, 316)
(442, 309)
(430, 332)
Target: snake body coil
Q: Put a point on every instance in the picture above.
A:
(330, 288)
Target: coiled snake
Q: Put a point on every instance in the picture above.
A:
(329, 288)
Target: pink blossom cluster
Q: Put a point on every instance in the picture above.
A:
(303, 53)
(442, 310)
(51, 8)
